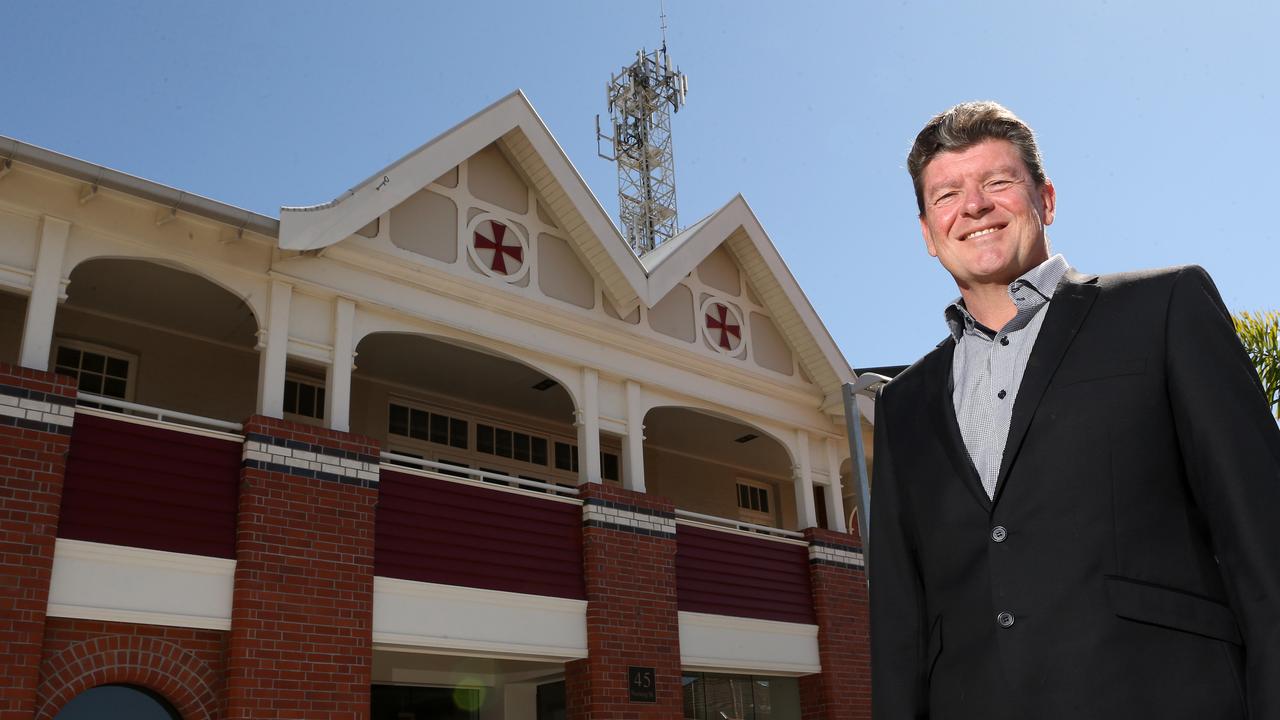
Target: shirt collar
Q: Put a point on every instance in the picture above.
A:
(1032, 288)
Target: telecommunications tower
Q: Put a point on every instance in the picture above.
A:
(641, 100)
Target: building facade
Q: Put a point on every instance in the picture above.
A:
(442, 447)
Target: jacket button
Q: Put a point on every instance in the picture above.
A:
(998, 533)
(1005, 619)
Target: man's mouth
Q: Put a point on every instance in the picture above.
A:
(979, 233)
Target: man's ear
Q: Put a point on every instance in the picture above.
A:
(1049, 201)
(928, 239)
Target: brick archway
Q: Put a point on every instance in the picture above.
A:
(158, 665)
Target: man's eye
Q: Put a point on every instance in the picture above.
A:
(999, 183)
(943, 198)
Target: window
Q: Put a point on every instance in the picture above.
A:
(118, 701)
(820, 506)
(524, 452)
(754, 502)
(398, 702)
(433, 427)
(551, 701)
(749, 697)
(567, 459)
(513, 444)
(97, 370)
(303, 397)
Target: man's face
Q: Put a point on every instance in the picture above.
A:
(984, 217)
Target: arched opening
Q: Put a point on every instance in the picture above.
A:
(464, 406)
(118, 702)
(718, 466)
(147, 333)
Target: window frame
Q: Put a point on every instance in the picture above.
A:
(747, 514)
(130, 382)
(426, 449)
(322, 396)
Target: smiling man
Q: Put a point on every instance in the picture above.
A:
(1076, 503)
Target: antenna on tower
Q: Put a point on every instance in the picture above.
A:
(641, 99)
(662, 22)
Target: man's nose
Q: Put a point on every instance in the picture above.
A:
(976, 202)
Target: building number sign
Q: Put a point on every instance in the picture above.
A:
(642, 684)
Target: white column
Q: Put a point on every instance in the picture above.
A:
(337, 395)
(42, 306)
(633, 448)
(835, 494)
(588, 423)
(273, 350)
(806, 516)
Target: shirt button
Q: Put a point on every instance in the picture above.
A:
(999, 533)
(1001, 394)
(1004, 341)
(1005, 619)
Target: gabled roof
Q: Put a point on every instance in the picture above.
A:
(513, 122)
(737, 228)
(628, 281)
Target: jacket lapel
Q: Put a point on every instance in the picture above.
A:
(942, 411)
(1066, 313)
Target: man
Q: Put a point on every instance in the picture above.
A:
(1076, 504)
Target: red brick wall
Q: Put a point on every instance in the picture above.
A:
(842, 691)
(32, 465)
(631, 610)
(183, 665)
(301, 627)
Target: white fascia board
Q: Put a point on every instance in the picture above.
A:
(597, 219)
(818, 332)
(430, 616)
(690, 249)
(96, 581)
(732, 644)
(319, 226)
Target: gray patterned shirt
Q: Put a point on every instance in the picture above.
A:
(987, 367)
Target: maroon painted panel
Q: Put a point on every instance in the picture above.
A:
(150, 487)
(728, 573)
(438, 531)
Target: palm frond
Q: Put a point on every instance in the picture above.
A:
(1260, 333)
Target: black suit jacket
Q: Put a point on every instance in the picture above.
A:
(1139, 507)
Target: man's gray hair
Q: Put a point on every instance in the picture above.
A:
(965, 125)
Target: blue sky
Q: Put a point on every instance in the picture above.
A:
(1156, 119)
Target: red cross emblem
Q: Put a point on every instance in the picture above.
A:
(718, 319)
(491, 236)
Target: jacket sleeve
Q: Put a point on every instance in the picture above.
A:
(1230, 446)
(898, 639)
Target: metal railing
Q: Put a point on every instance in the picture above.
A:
(739, 525)
(159, 414)
(479, 475)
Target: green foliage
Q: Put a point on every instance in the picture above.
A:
(1260, 333)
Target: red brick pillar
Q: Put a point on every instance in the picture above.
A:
(302, 617)
(629, 559)
(36, 413)
(842, 691)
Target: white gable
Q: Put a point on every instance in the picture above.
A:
(496, 198)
